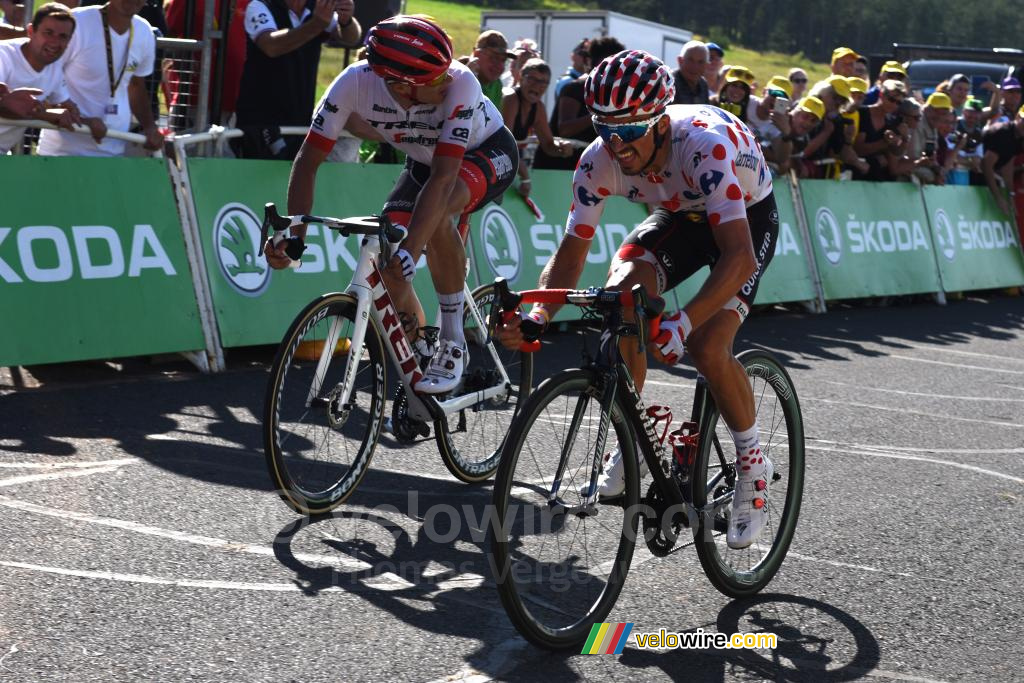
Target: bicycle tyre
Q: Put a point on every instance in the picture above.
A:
(541, 608)
(470, 440)
(298, 439)
(740, 573)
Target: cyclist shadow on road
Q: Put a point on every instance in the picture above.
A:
(436, 579)
(816, 642)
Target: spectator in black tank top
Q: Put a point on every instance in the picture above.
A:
(524, 113)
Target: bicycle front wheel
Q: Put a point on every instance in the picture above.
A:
(559, 563)
(741, 573)
(318, 442)
(470, 439)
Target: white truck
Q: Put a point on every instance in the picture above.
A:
(557, 33)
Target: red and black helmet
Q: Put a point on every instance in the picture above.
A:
(410, 49)
(630, 83)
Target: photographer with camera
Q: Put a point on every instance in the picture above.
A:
(765, 113)
(792, 131)
(832, 142)
(881, 139)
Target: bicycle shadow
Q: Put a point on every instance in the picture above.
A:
(804, 651)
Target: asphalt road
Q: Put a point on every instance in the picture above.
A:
(141, 540)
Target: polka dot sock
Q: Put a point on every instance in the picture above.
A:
(750, 463)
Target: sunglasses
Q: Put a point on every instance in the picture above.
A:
(440, 80)
(798, 80)
(627, 132)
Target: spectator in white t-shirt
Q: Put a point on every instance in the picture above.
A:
(110, 54)
(34, 62)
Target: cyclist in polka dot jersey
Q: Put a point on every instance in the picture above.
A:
(701, 172)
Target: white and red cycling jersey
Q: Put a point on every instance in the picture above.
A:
(464, 120)
(715, 166)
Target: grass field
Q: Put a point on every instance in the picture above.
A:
(463, 25)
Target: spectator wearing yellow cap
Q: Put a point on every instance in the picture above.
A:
(793, 129)
(734, 97)
(833, 139)
(1003, 141)
(891, 70)
(880, 141)
(764, 112)
(858, 89)
(843, 59)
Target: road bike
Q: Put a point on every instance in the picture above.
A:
(560, 553)
(325, 399)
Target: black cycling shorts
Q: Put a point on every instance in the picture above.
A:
(679, 244)
(487, 171)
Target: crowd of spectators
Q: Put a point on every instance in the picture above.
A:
(844, 126)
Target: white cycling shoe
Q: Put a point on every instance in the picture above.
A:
(611, 482)
(749, 513)
(445, 370)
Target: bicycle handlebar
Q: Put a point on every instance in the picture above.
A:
(357, 225)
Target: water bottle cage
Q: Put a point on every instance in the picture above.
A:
(685, 441)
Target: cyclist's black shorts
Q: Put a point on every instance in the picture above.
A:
(679, 244)
(487, 171)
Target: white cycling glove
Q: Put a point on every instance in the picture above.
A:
(671, 338)
(408, 264)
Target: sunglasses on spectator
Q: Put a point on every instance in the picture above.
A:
(798, 80)
(627, 132)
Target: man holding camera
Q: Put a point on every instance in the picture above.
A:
(279, 79)
(765, 113)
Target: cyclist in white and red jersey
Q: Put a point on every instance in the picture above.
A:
(410, 94)
(703, 171)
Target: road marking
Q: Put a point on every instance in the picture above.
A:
(913, 449)
(906, 411)
(66, 474)
(935, 461)
(926, 395)
(955, 365)
(66, 465)
(975, 354)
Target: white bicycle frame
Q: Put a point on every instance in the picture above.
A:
(373, 301)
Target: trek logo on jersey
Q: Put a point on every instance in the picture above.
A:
(586, 198)
(237, 233)
(401, 125)
(501, 243)
(944, 236)
(460, 113)
(826, 228)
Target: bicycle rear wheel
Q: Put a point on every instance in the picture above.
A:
(317, 448)
(560, 565)
(470, 440)
(740, 573)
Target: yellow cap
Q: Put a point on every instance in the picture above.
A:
(1020, 112)
(939, 100)
(893, 67)
(858, 85)
(812, 105)
(739, 74)
(780, 83)
(840, 85)
(841, 52)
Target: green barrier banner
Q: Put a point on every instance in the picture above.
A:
(97, 273)
(788, 277)
(510, 241)
(869, 239)
(254, 303)
(976, 245)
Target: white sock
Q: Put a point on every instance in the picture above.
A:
(451, 317)
(749, 461)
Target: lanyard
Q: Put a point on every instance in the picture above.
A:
(110, 52)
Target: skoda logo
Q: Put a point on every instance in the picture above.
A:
(944, 235)
(827, 229)
(501, 243)
(236, 242)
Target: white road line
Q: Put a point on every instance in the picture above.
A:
(135, 527)
(975, 354)
(865, 568)
(861, 387)
(955, 365)
(66, 474)
(935, 461)
(1011, 425)
(916, 449)
(66, 465)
